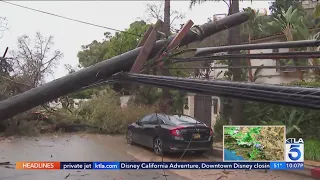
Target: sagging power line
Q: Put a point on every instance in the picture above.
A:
(71, 19)
(293, 96)
(282, 55)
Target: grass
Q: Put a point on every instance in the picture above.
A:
(311, 150)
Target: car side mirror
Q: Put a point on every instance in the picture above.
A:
(138, 122)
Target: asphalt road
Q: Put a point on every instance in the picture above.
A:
(79, 147)
(71, 148)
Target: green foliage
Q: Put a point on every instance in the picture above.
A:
(112, 46)
(218, 128)
(311, 149)
(93, 53)
(126, 41)
(300, 122)
(278, 5)
(86, 94)
(178, 101)
(291, 23)
(147, 94)
(253, 27)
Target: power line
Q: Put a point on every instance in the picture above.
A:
(75, 20)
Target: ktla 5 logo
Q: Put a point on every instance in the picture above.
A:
(294, 150)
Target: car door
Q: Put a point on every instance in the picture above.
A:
(138, 132)
(150, 130)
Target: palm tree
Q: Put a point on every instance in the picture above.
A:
(292, 25)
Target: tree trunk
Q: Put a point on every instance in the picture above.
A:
(234, 38)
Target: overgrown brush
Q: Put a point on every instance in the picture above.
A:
(20, 125)
(104, 111)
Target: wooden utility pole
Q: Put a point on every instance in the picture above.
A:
(166, 99)
(234, 38)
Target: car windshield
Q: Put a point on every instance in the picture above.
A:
(179, 120)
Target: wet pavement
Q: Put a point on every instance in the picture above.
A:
(71, 148)
(81, 147)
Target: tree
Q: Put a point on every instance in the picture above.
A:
(109, 47)
(156, 10)
(292, 25)
(128, 40)
(278, 5)
(33, 61)
(3, 25)
(92, 53)
(112, 46)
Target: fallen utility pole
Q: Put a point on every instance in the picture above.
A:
(70, 83)
(288, 44)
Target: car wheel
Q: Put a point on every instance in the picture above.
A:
(129, 137)
(157, 146)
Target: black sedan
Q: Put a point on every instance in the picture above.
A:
(170, 133)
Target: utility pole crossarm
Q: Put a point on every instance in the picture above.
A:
(176, 40)
(147, 44)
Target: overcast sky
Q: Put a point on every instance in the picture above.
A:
(69, 35)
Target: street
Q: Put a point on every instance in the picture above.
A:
(84, 147)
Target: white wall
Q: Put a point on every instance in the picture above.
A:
(59, 105)
(270, 76)
(124, 100)
(190, 110)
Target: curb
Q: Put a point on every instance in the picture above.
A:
(310, 171)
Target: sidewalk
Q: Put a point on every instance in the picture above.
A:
(311, 169)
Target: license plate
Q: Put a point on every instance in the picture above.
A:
(196, 136)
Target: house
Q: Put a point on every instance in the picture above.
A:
(207, 108)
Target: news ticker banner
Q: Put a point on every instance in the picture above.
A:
(158, 165)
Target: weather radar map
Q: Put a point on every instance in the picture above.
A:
(254, 143)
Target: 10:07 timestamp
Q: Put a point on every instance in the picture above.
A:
(294, 165)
